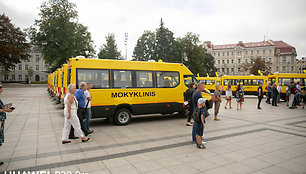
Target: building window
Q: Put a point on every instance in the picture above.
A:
(270, 51)
(6, 77)
(37, 58)
(232, 69)
(26, 67)
(246, 60)
(292, 69)
(277, 68)
(227, 70)
(222, 53)
(292, 59)
(227, 53)
(227, 61)
(263, 51)
(13, 77)
(222, 69)
(20, 77)
(20, 67)
(257, 51)
(222, 61)
(284, 59)
(252, 52)
(219, 54)
(218, 61)
(270, 59)
(284, 69)
(37, 67)
(264, 59)
(246, 52)
(238, 69)
(277, 59)
(214, 54)
(232, 60)
(232, 53)
(238, 60)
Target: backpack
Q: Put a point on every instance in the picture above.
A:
(196, 115)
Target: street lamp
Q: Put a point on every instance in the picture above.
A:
(125, 41)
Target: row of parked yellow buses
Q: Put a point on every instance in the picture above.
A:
(251, 82)
(122, 89)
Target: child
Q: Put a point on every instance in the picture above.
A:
(199, 120)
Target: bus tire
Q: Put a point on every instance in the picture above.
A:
(122, 117)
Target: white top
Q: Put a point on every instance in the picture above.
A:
(279, 89)
(74, 105)
(86, 96)
(229, 93)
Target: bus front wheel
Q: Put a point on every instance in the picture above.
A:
(122, 117)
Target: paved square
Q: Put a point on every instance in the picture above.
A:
(272, 140)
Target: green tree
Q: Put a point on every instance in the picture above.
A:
(30, 72)
(195, 56)
(109, 50)
(59, 35)
(13, 45)
(144, 49)
(164, 44)
(256, 64)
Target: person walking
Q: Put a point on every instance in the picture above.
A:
(303, 97)
(188, 98)
(3, 110)
(259, 95)
(274, 95)
(239, 96)
(71, 117)
(291, 95)
(195, 97)
(88, 99)
(279, 90)
(228, 96)
(217, 94)
(269, 92)
(81, 112)
(298, 93)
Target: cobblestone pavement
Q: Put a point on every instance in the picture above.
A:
(272, 140)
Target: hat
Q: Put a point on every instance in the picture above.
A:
(201, 100)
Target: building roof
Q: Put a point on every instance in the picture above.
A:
(283, 46)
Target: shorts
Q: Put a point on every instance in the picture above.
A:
(198, 128)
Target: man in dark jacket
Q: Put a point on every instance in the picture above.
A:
(188, 98)
(274, 95)
(269, 91)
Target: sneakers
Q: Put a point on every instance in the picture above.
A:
(204, 142)
(201, 146)
(217, 119)
(188, 124)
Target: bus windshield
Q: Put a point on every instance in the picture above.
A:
(190, 78)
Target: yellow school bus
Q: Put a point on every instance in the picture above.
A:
(250, 83)
(64, 82)
(49, 83)
(54, 84)
(285, 79)
(59, 85)
(121, 89)
(210, 82)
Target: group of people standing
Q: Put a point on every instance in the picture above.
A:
(77, 113)
(295, 95)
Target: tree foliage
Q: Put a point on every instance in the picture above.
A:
(109, 50)
(195, 56)
(257, 64)
(30, 72)
(59, 35)
(144, 49)
(13, 45)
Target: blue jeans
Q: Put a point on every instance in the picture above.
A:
(88, 117)
(194, 130)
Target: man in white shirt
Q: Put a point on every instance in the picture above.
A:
(88, 98)
(279, 89)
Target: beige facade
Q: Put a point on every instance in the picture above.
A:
(229, 58)
(301, 65)
(20, 72)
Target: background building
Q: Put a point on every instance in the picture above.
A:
(228, 58)
(301, 65)
(20, 72)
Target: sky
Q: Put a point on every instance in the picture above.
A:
(218, 21)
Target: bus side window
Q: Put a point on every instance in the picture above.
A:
(167, 79)
(122, 78)
(97, 78)
(144, 79)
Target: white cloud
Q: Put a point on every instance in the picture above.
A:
(220, 21)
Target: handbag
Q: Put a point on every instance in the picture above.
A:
(242, 99)
(214, 98)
